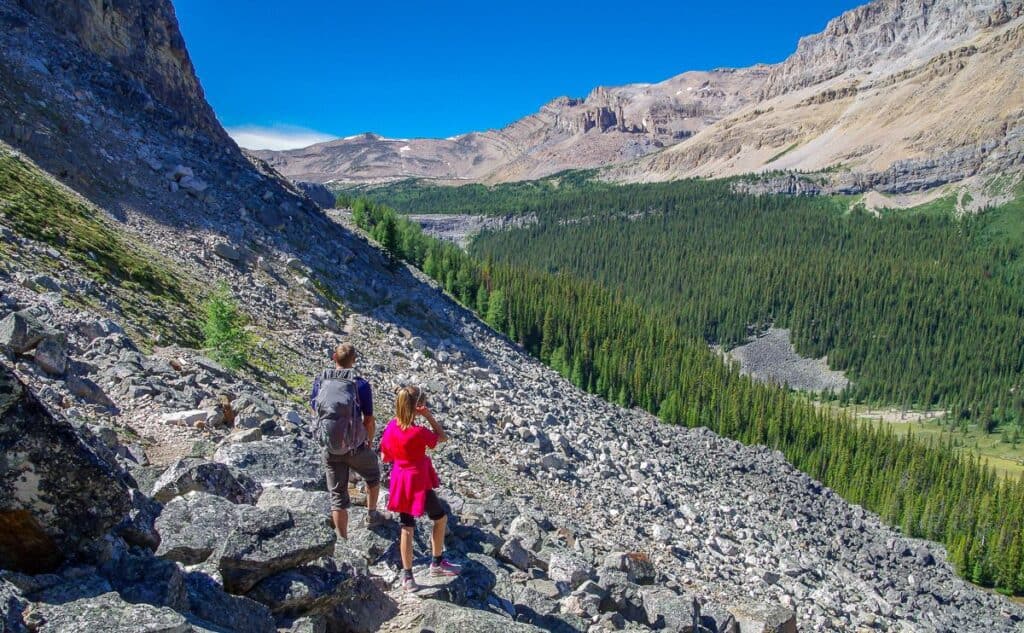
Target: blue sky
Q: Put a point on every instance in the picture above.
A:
(293, 73)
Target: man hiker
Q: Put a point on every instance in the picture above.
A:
(343, 405)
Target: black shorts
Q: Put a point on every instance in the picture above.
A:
(433, 507)
(362, 460)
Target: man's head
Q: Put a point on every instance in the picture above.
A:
(345, 355)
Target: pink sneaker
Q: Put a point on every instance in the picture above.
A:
(409, 585)
(444, 568)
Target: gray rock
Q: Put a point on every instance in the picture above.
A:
(246, 435)
(527, 531)
(307, 624)
(666, 609)
(365, 611)
(138, 528)
(763, 618)
(147, 579)
(318, 193)
(289, 461)
(108, 613)
(210, 602)
(52, 355)
(270, 540)
(306, 590)
(308, 501)
(49, 515)
(198, 475)
(21, 331)
(637, 565)
(513, 552)
(87, 390)
(226, 251)
(193, 526)
(442, 617)
(564, 567)
(12, 606)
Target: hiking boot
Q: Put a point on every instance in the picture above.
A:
(373, 519)
(444, 568)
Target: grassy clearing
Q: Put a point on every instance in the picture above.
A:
(1002, 456)
(144, 284)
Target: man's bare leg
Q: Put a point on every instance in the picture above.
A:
(340, 522)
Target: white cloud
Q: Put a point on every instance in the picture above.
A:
(276, 137)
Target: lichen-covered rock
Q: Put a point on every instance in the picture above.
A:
(52, 355)
(763, 618)
(309, 501)
(266, 541)
(208, 600)
(56, 493)
(192, 527)
(443, 617)
(564, 567)
(147, 579)
(21, 331)
(12, 606)
(289, 461)
(310, 589)
(198, 475)
(666, 609)
(107, 613)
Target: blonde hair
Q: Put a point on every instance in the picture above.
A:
(409, 398)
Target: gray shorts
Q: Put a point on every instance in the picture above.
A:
(362, 460)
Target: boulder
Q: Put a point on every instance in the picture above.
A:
(513, 552)
(108, 613)
(666, 609)
(289, 461)
(443, 617)
(210, 602)
(21, 331)
(564, 567)
(226, 251)
(45, 514)
(367, 608)
(52, 355)
(318, 193)
(306, 590)
(270, 540)
(763, 618)
(527, 531)
(188, 418)
(309, 501)
(193, 526)
(147, 579)
(198, 475)
(637, 565)
(87, 390)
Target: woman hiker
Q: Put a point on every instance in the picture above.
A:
(413, 479)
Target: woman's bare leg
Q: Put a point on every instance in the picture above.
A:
(437, 536)
(405, 546)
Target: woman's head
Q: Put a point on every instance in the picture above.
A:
(409, 398)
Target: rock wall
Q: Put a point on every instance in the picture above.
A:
(142, 40)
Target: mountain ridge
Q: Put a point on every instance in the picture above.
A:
(724, 122)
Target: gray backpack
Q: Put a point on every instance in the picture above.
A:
(340, 427)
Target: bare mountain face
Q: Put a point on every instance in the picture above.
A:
(896, 95)
(610, 125)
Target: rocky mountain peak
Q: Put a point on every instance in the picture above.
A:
(897, 33)
(142, 40)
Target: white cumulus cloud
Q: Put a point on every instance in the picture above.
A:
(277, 137)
